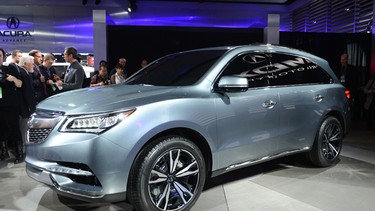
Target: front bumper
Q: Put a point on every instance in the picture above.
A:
(62, 178)
(85, 166)
(76, 175)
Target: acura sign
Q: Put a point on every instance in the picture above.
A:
(13, 34)
(13, 23)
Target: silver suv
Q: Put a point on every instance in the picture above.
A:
(155, 139)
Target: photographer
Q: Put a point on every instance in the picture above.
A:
(9, 122)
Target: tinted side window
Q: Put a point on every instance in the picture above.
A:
(179, 69)
(292, 69)
(253, 66)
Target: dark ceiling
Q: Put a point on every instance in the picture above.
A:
(282, 2)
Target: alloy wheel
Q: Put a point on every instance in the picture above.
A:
(331, 143)
(174, 180)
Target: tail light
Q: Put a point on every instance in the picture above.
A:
(347, 93)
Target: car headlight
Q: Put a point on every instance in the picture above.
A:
(94, 123)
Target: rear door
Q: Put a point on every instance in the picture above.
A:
(302, 86)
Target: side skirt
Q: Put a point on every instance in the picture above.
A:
(257, 161)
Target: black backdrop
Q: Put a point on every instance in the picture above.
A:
(135, 43)
(330, 46)
(138, 42)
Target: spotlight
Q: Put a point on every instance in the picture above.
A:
(369, 27)
(133, 5)
(84, 2)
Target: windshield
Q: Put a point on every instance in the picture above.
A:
(181, 69)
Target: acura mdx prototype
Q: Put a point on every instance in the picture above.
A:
(155, 139)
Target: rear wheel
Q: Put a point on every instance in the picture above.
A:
(328, 143)
(168, 174)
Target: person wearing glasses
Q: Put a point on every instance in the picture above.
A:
(74, 75)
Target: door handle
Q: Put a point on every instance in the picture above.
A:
(269, 104)
(318, 98)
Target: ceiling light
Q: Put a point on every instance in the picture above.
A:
(133, 5)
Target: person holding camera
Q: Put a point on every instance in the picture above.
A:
(101, 78)
(9, 121)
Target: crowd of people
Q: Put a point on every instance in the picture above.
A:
(25, 82)
(30, 78)
(117, 75)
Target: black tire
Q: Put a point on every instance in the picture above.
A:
(168, 174)
(328, 142)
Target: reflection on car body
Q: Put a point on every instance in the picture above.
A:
(185, 117)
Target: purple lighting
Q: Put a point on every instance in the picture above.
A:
(194, 21)
(87, 24)
(195, 14)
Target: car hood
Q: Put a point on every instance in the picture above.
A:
(109, 98)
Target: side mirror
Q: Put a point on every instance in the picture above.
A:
(233, 84)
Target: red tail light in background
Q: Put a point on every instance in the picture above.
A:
(347, 93)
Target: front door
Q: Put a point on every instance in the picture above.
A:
(248, 122)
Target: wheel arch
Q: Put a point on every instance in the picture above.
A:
(190, 134)
(339, 116)
(315, 155)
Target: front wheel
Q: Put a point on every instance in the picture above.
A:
(328, 143)
(168, 174)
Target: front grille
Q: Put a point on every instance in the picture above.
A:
(41, 124)
(36, 135)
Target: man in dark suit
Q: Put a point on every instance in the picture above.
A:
(9, 120)
(26, 67)
(349, 77)
(16, 56)
(28, 101)
(74, 75)
(39, 81)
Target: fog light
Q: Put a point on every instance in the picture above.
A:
(67, 170)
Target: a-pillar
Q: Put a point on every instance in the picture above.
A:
(100, 36)
(272, 32)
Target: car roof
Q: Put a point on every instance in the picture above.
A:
(263, 47)
(269, 48)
